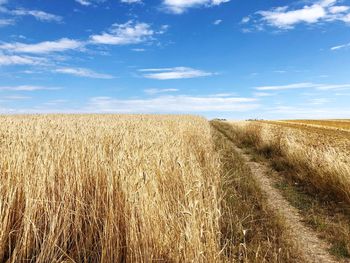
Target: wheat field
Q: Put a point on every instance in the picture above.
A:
(108, 188)
(322, 155)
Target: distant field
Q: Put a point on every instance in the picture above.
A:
(315, 135)
(339, 124)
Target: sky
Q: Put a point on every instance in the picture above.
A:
(234, 59)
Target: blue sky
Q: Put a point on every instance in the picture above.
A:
(217, 58)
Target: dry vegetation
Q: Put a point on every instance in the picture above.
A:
(246, 218)
(108, 189)
(321, 158)
(338, 124)
(315, 165)
(127, 188)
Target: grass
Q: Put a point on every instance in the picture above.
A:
(258, 230)
(313, 160)
(109, 188)
(324, 207)
(330, 219)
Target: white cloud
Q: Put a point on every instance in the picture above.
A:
(180, 6)
(312, 112)
(83, 72)
(263, 94)
(158, 91)
(83, 2)
(45, 47)
(319, 101)
(89, 2)
(245, 20)
(172, 104)
(333, 87)
(131, 1)
(338, 9)
(14, 97)
(125, 34)
(6, 22)
(340, 47)
(321, 11)
(20, 60)
(138, 49)
(37, 14)
(174, 73)
(304, 85)
(26, 88)
(55, 102)
(217, 22)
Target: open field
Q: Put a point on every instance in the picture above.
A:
(317, 136)
(108, 189)
(313, 172)
(338, 124)
(144, 188)
(324, 153)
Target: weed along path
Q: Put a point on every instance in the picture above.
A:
(312, 249)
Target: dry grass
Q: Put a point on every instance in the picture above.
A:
(316, 136)
(246, 220)
(108, 189)
(338, 124)
(314, 170)
(318, 159)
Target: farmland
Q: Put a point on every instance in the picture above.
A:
(170, 188)
(312, 163)
(338, 124)
(108, 189)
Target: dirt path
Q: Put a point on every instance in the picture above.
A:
(312, 248)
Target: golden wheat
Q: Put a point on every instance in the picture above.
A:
(323, 157)
(108, 188)
(335, 124)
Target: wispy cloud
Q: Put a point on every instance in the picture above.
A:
(340, 47)
(308, 112)
(304, 85)
(158, 91)
(319, 101)
(6, 22)
(89, 2)
(131, 1)
(286, 17)
(45, 47)
(174, 73)
(55, 102)
(83, 2)
(14, 97)
(20, 60)
(172, 104)
(125, 34)
(263, 94)
(217, 22)
(37, 14)
(26, 88)
(83, 72)
(180, 6)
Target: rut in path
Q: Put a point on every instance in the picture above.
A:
(312, 248)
